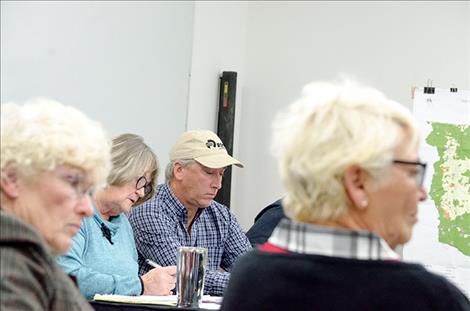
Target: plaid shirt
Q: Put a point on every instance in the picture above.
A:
(160, 228)
(327, 241)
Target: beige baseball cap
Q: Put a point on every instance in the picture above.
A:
(204, 147)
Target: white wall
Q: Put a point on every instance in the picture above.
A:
(127, 64)
(218, 45)
(390, 45)
(124, 63)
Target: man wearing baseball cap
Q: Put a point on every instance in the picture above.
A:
(183, 211)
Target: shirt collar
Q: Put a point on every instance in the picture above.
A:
(166, 196)
(327, 241)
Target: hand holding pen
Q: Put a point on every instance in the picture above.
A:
(152, 263)
(160, 280)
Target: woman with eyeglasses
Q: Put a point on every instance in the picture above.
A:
(103, 257)
(51, 157)
(349, 163)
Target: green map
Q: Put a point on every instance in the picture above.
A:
(450, 187)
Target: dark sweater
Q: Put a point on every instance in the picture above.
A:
(265, 222)
(274, 281)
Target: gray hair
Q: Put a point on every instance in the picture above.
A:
(132, 158)
(169, 170)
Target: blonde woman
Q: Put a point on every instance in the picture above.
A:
(348, 159)
(103, 257)
(51, 157)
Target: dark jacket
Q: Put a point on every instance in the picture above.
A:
(265, 223)
(30, 279)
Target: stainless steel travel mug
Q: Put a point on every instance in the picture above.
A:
(190, 275)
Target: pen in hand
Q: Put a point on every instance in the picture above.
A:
(152, 263)
(158, 281)
(156, 265)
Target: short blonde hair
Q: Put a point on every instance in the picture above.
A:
(42, 134)
(131, 158)
(330, 128)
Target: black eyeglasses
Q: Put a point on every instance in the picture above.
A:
(421, 169)
(142, 183)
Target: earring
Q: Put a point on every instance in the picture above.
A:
(364, 203)
(103, 185)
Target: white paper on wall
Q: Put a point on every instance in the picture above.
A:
(441, 238)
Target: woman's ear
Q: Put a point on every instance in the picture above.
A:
(9, 183)
(354, 180)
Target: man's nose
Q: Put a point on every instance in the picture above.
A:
(217, 182)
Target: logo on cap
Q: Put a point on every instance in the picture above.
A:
(212, 144)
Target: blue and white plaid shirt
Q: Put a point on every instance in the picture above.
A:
(160, 228)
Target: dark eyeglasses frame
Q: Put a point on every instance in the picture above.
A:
(142, 183)
(421, 171)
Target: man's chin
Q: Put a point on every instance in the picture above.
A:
(205, 203)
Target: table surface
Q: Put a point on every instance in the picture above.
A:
(118, 306)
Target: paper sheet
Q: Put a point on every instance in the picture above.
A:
(208, 302)
(441, 238)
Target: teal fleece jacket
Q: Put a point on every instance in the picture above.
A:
(99, 266)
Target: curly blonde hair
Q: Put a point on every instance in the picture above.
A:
(331, 127)
(42, 134)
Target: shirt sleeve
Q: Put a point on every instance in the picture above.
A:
(236, 244)
(215, 282)
(157, 239)
(91, 281)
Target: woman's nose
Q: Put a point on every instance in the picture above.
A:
(141, 192)
(423, 194)
(84, 206)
